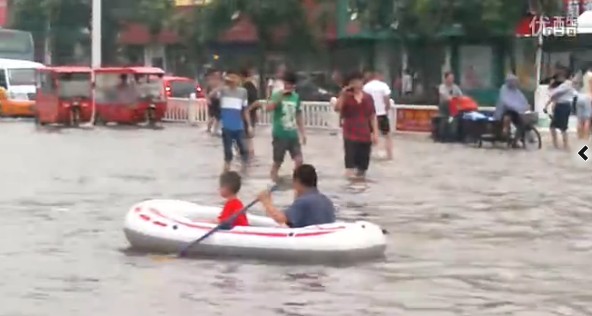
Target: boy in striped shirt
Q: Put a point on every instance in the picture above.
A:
(233, 102)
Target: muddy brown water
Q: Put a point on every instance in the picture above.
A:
(472, 232)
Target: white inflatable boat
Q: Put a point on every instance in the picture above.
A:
(169, 225)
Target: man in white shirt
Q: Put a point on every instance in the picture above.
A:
(381, 94)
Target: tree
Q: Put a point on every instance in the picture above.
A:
(64, 21)
(155, 14)
(434, 18)
(59, 22)
(270, 17)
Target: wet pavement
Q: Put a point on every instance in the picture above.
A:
(472, 232)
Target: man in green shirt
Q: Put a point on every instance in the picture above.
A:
(288, 128)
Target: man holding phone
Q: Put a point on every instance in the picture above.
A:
(288, 127)
(360, 126)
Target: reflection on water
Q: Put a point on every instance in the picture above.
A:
(472, 232)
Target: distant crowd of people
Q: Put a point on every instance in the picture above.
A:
(363, 104)
(567, 94)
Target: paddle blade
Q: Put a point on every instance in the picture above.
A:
(185, 251)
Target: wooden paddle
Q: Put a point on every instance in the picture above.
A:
(223, 224)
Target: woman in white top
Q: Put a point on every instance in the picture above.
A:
(584, 105)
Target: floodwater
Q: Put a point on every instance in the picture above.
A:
(472, 231)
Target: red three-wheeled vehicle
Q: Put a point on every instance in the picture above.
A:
(64, 96)
(129, 95)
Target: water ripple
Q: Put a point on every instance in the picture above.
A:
(472, 232)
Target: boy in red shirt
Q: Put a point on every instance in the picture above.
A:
(230, 184)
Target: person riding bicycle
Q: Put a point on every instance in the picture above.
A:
(511, 104)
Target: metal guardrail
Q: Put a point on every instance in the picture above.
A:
(193, 111)
(317, 115)
(320, 115)
(186, 111)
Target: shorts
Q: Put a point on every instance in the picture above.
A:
(230, 137)
(214, 111)
(384, 126)
(357, 155)
(283, 145)
(561, 114)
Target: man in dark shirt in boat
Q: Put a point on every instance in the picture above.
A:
(310, 206)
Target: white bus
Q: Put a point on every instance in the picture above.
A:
(19, 78)
(15, 44)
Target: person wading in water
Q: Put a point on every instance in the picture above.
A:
(381, 95)
(288, 126)
(233, 102)
(254, 105)
(214, 84)
(360, 126)
(561, 96)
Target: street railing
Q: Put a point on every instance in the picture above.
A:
(194, 111)
(317, 115)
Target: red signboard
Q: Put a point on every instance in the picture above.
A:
(415, 120)
(564, 23)
(3, 12)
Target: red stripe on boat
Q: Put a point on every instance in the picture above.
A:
(287, 234)
(145, 217)
(160, 224)
(138, 209)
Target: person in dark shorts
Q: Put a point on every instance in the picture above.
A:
(214, 83)
(561, 96)
(288, 128)
(233, 101)
(359, 121)
(381, 95)
(253, 107)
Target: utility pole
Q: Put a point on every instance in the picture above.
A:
(96, 34)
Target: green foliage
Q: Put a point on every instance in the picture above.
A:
(267, 16)
(156, 14)
(64, 20)
(31, 15)
(434, 18)
(191, 27)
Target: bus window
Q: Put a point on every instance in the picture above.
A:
(3, 82)
(21, 77)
